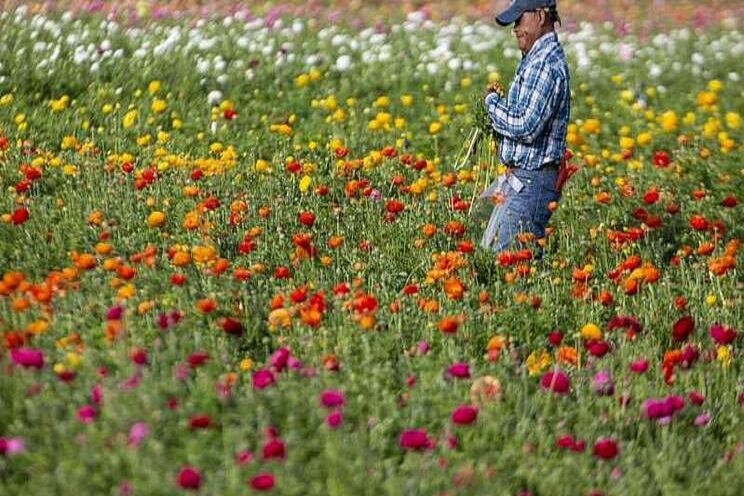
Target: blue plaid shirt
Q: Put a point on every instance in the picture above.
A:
(532, 120)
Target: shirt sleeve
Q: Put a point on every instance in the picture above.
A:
(524, 120)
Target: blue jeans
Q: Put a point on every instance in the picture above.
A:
(524, 209)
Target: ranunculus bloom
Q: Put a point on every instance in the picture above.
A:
(262, 379)
(603, 384)
(273, 449)
(639, 366)
(683, 328)
(189, 478)
(86, 414)
(334, 419)
(555, 381)
(12, 446)
(331, 398)
(702, 419)
(414, 439)
(606, 449)
(262, 482)
(27, 357)
(459, 370)
(197, 359)
(722, 335)
(696, 398)
(280, 358)
(464, 415)
(137, 433)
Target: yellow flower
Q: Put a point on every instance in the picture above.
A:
(158, 106)
(669, 120)
(406, 100)
(153, 87)
(627, 143)
(381, 101)
(107, 109)
(130, 118)
(733, 120)
(538, 361)
(591, 126)
(262, 167)
(155, 219)
(69, 170)
(6, 99)
(305, 183)
(246, 364)
(435, 127)
(723, 355)
(591, 332)
(715, 85)
(643, 139)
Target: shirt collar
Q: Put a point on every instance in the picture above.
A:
(542, 43)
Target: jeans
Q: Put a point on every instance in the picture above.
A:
(524, 208)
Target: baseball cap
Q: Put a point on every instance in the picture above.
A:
(519, 7)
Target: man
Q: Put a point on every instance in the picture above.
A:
(531, 123)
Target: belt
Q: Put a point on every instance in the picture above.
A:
(546, 166)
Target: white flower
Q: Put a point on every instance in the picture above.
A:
(343, 63)
(214, 97)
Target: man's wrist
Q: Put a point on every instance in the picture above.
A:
(491, 99)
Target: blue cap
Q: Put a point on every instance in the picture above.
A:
(519, 7)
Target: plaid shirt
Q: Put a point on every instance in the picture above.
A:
(532, 121)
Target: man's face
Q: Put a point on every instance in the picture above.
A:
(527, 29)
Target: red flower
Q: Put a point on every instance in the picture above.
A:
(274, 449)
(394, 206)
(229, 114)
(262, 482)
(698, 223)
(555, 381)
(19, 216)
(232, 327)
(464, 415)
(661, 159)
(200, 422)
(334, 419)
(606, 449)
(189, 478)
(262, 379)
(729, 202)
(683, 328)
(414, 439)
(555, 338)
(306, 218)
(651, 196)
(197, 359)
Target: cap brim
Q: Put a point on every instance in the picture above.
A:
(509, 15)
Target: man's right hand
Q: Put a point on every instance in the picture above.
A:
(495, 87)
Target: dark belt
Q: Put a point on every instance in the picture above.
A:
(547, 166)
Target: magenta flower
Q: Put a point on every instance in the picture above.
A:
(243, 457)
(422, 348)
(331, 398)
(262, 482)
(27, 357)
(137, 433)
(414, 439)
(189, 478)
(722, 335)
(459, 370)
(12, 446)
(555, 381)
(279, 358)
(334, 419)
(464, 415)
(115, 312)
(86, 414)
(695, 398)
(262, 379)
(639, 366)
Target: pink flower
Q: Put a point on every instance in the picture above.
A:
(639, 366)
(96, 394)
(243, 457)
(27, 357)
(555, 381)
(189, 478)
(274, 449)
(603, 384)
(722, 335)
(334, 419)
(414, 439)
(606, 449)
(137, 433)
(279, 358)
(464, 415)
(422, 348)
(86, 414)
(459, 370)
(12, 446)
(702, 419)
(262, 379)
(331, 398)
(262, 482)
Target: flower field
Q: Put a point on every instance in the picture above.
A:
(240, 254)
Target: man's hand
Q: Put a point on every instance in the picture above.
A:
(495, 87)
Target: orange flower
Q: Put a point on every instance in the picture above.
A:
(567, 355)
(453, 288)
(449, 324)
(429, 230)
(85, 261)
(206, 305)
(603, 198)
